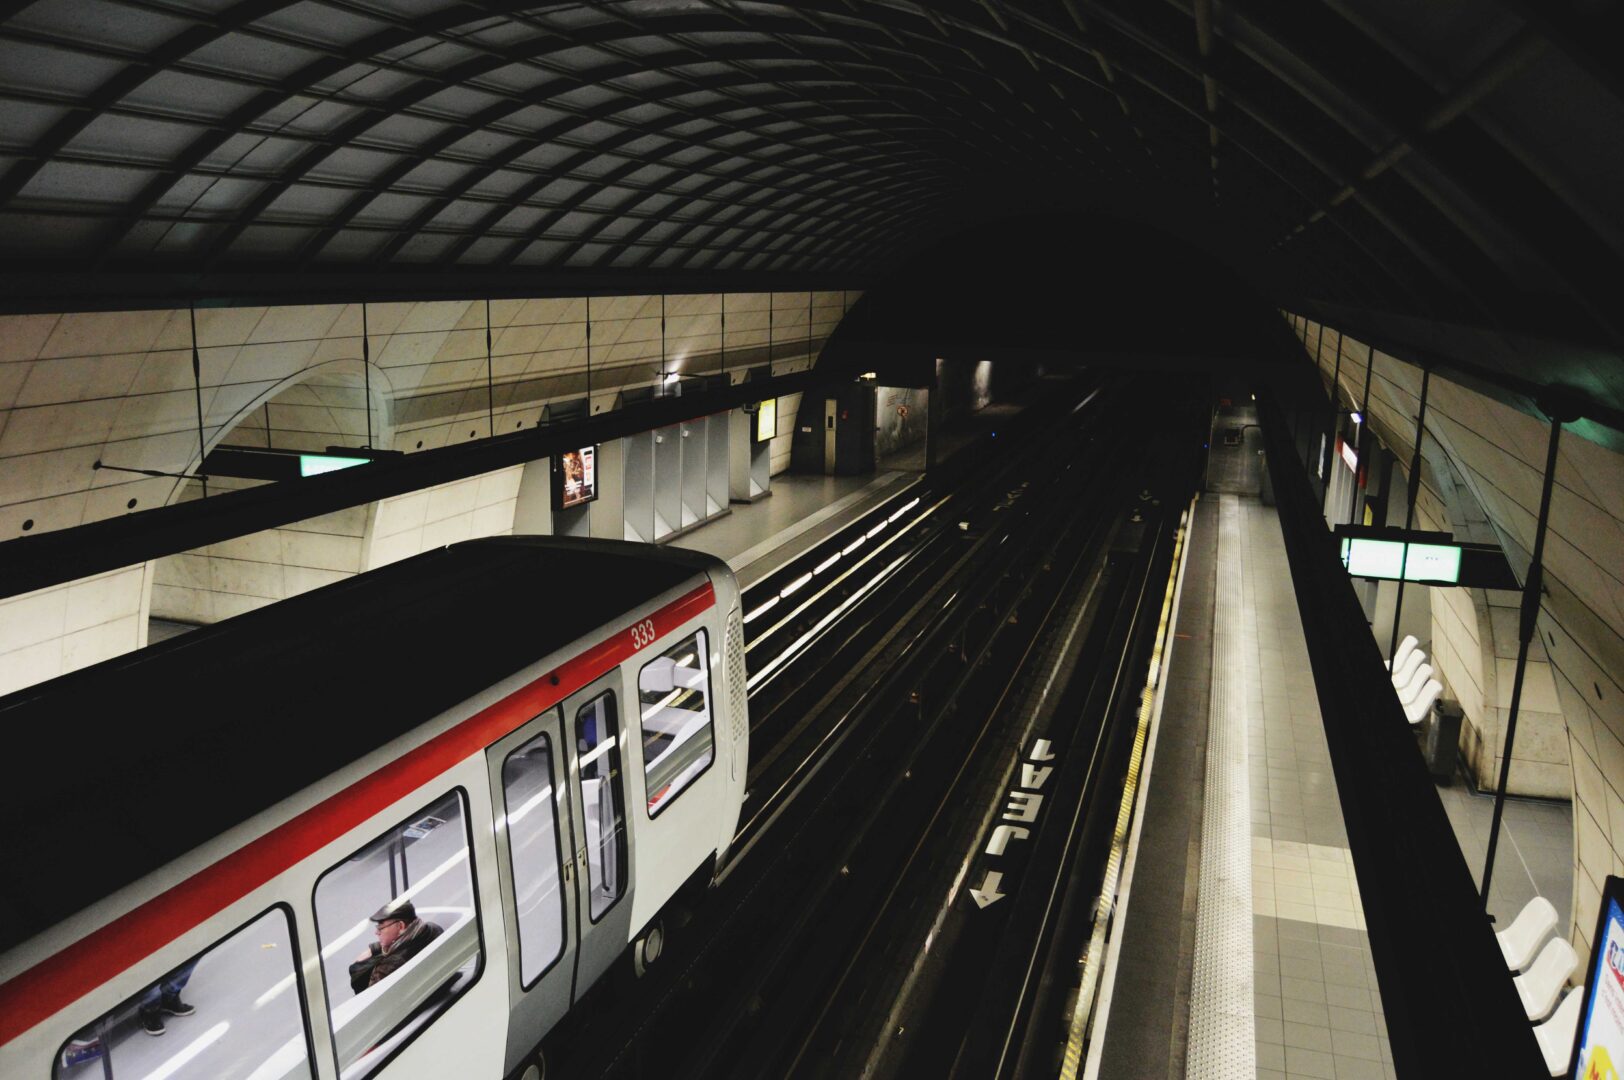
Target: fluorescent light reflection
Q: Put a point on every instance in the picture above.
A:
(194, 1048)
(762, 610)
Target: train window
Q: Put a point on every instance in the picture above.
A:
(532, 828)
(678, 743)
(597, 748)
(399, 930)
(230, 1012)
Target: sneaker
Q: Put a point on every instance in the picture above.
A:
(79, 1051)
(152, 1023)
(174, 1006)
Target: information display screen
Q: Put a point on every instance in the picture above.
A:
(575, 477)
(766, 420)
(316, 464)
(1393, 559)
(1600, 1043)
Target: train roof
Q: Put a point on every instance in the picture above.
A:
(122, 767)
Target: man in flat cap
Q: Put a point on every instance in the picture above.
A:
(401, 936)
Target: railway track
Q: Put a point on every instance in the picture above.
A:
(887, 721)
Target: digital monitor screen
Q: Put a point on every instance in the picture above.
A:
(1600, 1045)
(1392, 559)
(575, 477)
(766, 420)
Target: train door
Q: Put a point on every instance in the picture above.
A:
(594, 723)
(535, 860)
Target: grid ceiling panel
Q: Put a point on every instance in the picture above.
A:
(192, 134)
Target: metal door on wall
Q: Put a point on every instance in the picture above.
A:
(831, 411)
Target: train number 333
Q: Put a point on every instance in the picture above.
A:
(643, 634)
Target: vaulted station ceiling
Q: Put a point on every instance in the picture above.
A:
(1454, 161)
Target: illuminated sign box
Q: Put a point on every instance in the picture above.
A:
(1599, 1047)
(1391, 560)
(766, 426)
(575, 477)
(316, 464)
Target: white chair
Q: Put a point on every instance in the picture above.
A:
(1520, 941)
(1406, 668)
(1540, 985)
(1556, 1034)
(1416, 711)
(1407, 692)
(1405, 647)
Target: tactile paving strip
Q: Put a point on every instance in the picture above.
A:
(1222, 1041)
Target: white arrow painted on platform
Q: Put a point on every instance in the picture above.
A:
(988, 893)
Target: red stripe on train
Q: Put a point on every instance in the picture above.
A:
(65, 977)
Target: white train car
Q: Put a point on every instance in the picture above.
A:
(395, 827)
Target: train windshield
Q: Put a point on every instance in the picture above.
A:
(678, 743)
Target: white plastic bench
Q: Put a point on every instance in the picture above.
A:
(1405, 647)
(1411, 688)
(1556, 1035)
(1416, 711)
(1520, 941)
(1542, 983)
(1405, 671)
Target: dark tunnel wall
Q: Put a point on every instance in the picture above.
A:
(1090, 289)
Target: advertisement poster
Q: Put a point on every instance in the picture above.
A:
(577, 477)
(766, 420)
(1601, 1023)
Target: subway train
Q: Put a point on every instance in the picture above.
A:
(394, 827)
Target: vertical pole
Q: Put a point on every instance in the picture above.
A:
(490, 382)
(660, 388)
(366, 371)
(1321, 464)
(1409, 502)
(1525, 635)
(1359, 449)
(197, 388)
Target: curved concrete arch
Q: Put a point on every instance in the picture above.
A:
(310, 409)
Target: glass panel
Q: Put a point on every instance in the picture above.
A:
(678, 743)
(230, 1012)
(532, 826)
(598, 750)
(399, 934)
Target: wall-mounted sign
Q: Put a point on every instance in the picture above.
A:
(1437, 564)
(266, 463)
(1431, 558)
(1600, 1044)
(575, 477)
(316, 464)
(766, 420)
(1350, 457)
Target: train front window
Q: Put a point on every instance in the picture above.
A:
(399, 932)
(532, 829)
(597, 750)
(678, 742)
(229, 1013)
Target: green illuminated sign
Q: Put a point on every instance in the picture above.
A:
(316, 464)
(1392, 559)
